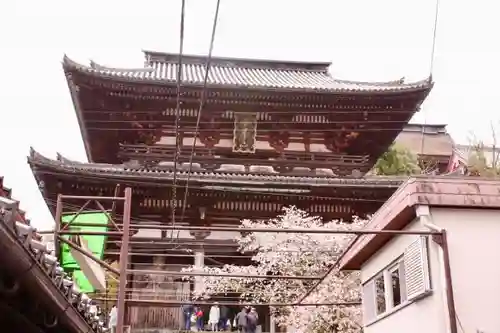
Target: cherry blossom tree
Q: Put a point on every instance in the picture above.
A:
(293, 254)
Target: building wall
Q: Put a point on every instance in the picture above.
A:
(424, 315)
(473, 239)
(474, 242)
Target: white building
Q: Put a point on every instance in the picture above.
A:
(433, 284)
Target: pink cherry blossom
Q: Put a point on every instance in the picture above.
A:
(293, 254)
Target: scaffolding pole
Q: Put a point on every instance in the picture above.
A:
(122, 231)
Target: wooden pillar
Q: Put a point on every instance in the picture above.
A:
(199, 259)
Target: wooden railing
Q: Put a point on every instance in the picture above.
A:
(213, 158)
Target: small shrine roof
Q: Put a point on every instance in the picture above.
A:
(221, 175)
(241, 73)
(24, 253)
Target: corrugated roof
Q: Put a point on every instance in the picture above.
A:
(241, 73)
(222, 176)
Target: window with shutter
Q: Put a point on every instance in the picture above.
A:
(397, 283)
(416, 269)
(369, 309)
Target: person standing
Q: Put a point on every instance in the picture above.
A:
(252, 321)
(187, 311)
(224, 316)
(199, 319)
(113, 318)
(214, 317)
(241, 320)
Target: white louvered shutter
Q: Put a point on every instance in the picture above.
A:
(416, 268)
(369, 310)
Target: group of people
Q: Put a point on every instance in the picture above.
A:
(246, 321)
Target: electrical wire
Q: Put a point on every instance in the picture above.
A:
(314, 112)
(434, 38)
(306, 130)
(177, 112)
(202, 104)
(431, 69)
(261, 123)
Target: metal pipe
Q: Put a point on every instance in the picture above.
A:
(162, 303)
(58, 217)
(424, 215)
(87, 197)
(89, 255)
(241, 276)
(168, 255)
(75, 215)
(121, 301)
(272, 230)
(91, 233)
(450, 298)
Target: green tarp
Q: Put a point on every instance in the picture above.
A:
(95, 245)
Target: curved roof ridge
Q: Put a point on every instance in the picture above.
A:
(197, 59)
(68, 62)
(35, 156)
(99, 67)
(400, 82)
(378, 83)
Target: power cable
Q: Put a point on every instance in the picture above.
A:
(202, 104)
(433, 50)
(177, 112)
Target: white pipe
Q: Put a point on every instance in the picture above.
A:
(431, 226)
(425, 219)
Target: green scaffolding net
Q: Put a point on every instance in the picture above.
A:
(96, 244)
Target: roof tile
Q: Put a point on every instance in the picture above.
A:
(31, 242)
(228, 72)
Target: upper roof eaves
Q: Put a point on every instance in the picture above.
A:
(161, 68)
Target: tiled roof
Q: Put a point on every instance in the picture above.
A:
(222, 175)
(233, 72)
(25, 246)
(436, 140)
(7, 192)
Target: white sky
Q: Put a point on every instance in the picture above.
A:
(364, 39)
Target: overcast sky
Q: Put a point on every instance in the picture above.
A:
(364, 40)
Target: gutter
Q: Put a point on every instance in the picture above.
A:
(423, 213)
